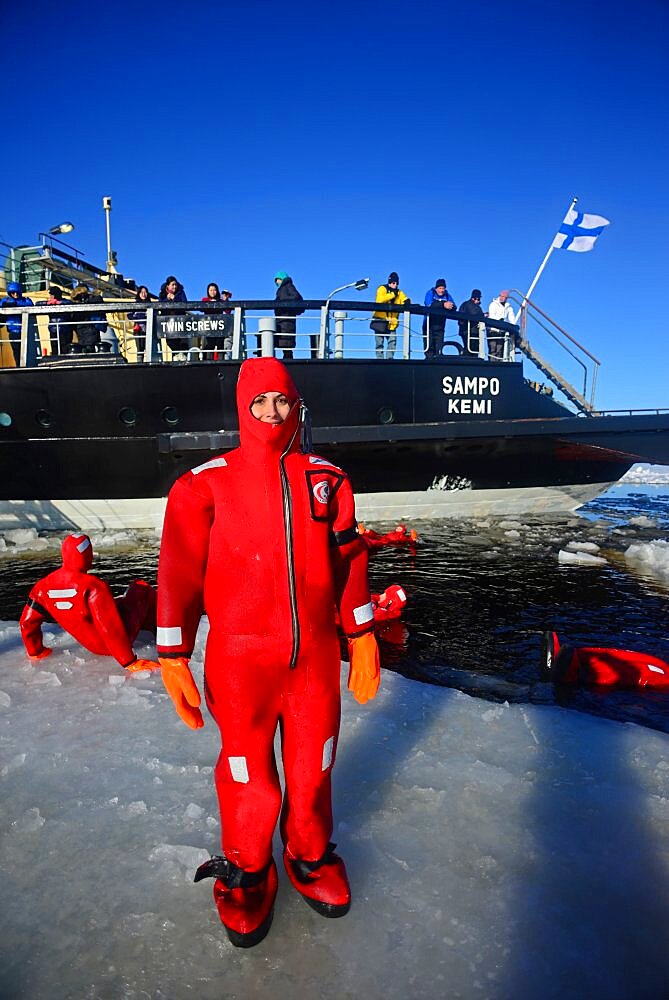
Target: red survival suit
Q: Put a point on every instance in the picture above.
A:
(264, 540)
(602, 666)
(83, 605)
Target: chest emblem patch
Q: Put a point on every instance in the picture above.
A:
(321, 491)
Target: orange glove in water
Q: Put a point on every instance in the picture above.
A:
(365, 673)
(138, 664)
(182, 689)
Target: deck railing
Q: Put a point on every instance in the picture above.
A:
(193, 331)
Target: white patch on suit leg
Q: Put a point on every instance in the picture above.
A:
(168, 636)
(328, 750)
(238, 769)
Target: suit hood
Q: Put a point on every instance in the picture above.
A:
(77, 553)
(258, 439)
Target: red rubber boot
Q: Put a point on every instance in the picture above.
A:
(244, 900)
(323, 884)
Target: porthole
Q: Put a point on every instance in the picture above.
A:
(44, 418)
(128, 416)
(171, 416)
(386, 415)
(5, 420)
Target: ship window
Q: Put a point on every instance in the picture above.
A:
(386, 415)
(128, 416)
(5, 420)
(171, 415)
(44, 418)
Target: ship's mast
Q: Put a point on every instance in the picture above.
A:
(112, 259)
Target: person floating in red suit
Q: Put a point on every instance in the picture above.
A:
(390, 604)
(83, 605)
(601, 666)
(264, 540)
(400, 535)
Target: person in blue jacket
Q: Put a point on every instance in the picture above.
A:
(14, 297)
(438, 301)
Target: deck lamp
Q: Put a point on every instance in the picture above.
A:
(64, 227)
(359, 285)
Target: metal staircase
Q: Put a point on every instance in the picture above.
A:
(529, 312)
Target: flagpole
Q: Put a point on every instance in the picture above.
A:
(523, 306)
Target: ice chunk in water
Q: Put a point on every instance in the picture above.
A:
(580, 558)
(582, 547)
(21, 536)
(652, 557)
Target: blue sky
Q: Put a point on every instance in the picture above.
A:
(334, 141)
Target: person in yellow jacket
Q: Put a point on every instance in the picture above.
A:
(384, 324)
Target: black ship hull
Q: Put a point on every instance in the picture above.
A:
(102, 430)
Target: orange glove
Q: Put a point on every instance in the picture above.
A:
(43, 655)
(139, 664)
(365, 672)
(182, 689)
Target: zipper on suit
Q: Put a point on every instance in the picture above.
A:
(290, 557)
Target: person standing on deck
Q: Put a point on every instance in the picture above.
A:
(172, 290)
(469, 328)
(499, 308)
(14, 297)
(439, 301)
(286, 324)
(384, 324)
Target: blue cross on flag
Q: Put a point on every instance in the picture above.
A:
(578, 232)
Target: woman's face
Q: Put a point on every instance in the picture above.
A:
(212, 291)
(143, 293)
(172, 287)
(270, 407)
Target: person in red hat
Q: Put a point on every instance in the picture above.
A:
(264, 540)
(82, 604)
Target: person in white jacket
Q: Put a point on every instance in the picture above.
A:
(499, 308)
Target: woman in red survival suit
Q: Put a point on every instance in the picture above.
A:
(83, 605)
(264, 540)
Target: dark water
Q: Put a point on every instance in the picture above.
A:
(479, 599)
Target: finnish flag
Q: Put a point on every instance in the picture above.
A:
(578, 232)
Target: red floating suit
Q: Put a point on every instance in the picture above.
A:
(390, 604)
(83, 605)
(400, 535)
(602, 667)
(264, 540)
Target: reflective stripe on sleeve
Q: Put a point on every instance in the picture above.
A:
(169, 636)
(215, 463)
(363, 614)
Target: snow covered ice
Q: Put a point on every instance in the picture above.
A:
(494, 851)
